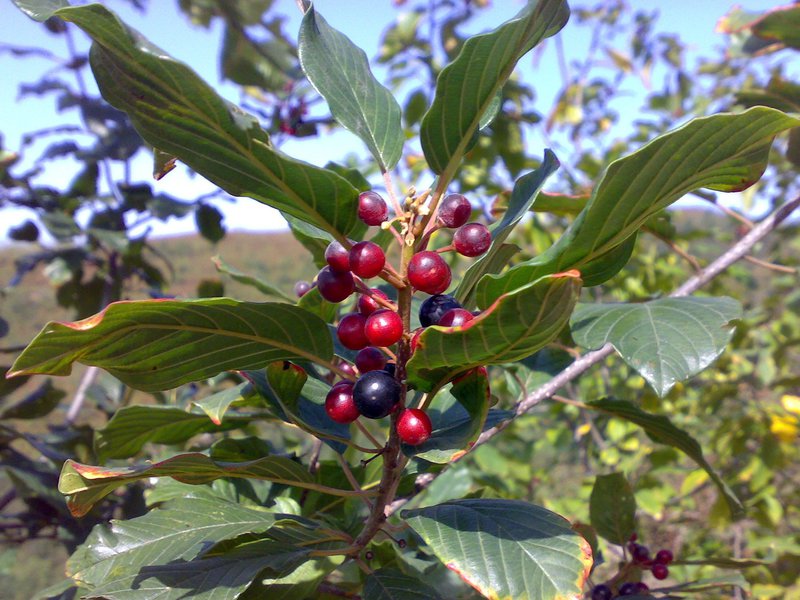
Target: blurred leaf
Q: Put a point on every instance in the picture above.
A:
(249, 280)
(339, 70)
(515, 326)
(467, 87)
(216, 405)
(251, 63)
(780, 24)
(666, 340)
(612, 508)
(725, 152)
(209, 223)
(160, 344)
(35, 405)
(661, 430)
(506, 548)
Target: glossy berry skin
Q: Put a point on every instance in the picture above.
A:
(346, 367)
(370, 359)
(372, 209)
(428, 272)
(628, 589)
(337, 257)
(640, 553)
(660, 571)
(367, 259)
(602, 592)
(383, 328)
(301, 288)
(454, 210)
(664, 557)
(339, 404)
(455, 317)
(367, 305)
(375, 394)
(335, 286)
(414, 426)
(434, 307)
(350, 331)
(472, 239)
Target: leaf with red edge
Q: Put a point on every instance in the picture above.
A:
(514, 327)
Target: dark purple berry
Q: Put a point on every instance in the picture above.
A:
(434, 307)
(628, 589)
(660, 571)
(370, 359)
(472, 239)
(640, 553)
(376, 393)
(301, 288)
(367, 259)
(428, 272)
(372, 209)
(454, 210)
(337, 257)
(602, 592)
(335, 286)
(664, 557)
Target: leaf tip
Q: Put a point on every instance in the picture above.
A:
(572, 273)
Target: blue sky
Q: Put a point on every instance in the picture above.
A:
(362, 20)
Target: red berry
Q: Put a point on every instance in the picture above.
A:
(339, 404)
(384, 327)
(455, 317)
(414, 426)
(351, 331)
(472, 239)
(346, 367)
(301, 288)
(454, 210)
(371, 208)
(428, 272)
(660, 571)
(367, 259)
(432, 309)
(337, 257)
(335, 286)
(370, 359)
(367, 305)
(664, 557)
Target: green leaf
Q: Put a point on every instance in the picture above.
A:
(178, 113)
(780, 25)
(39, 403)
(666, 340)
(40, 10)
(661, 430)
(467, 88)
(723, 580)
(249, 280)
(313, 302)
(392, 584)
(339, 71)
(85, 485)
(160, 344)
(146, 556)
(132, 427)
(515, 326)
(216, 405)
(523, 195)
(458, 413)
(300, 583)
(506, 548)
(612, 508)
(725, 152)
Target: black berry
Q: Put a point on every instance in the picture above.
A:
(640, 553)
(472, 239)
(366, 259)
(454, 210)
(628, 589)
(602, 592)
(434, 307)
(335, 286)
(372, 209)
(376, 393)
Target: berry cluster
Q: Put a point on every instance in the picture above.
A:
(640, 560)
(374, 327)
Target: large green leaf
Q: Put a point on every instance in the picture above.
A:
(467, 87)
(160, 555)
(458, 413)
(516, 326)
(339, 71)
(666, 340)
(85, 485)
(160, 344)
(216, 405)
(392, 584)
(178, 113)
(524, 193)
(612, 508)
(506, 548)
(661, 430)
(132, 427)
(725, 152)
